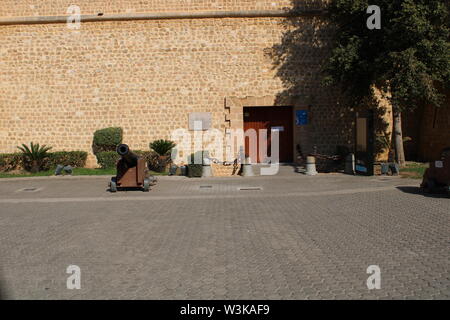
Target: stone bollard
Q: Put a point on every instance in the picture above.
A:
(311, 166)
(206, 170)
(247, 169)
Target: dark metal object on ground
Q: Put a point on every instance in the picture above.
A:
(437, 177)
(59, 169)
(68, 169)
(132, 171)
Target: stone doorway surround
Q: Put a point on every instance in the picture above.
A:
(234, 114)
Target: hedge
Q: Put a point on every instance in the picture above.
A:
(10, 161)
(16, 161)
(107, 139)
(73, 158)
(108, 159)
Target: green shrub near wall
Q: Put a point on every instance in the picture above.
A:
(16, 161)
(10, 161)
(108, 159)
(73, 158)
(147, 155)
(107, 139)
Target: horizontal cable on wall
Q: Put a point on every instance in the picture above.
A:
(161, 16)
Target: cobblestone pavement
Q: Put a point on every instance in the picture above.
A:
(283, 237)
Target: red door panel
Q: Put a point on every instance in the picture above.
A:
(259, 118)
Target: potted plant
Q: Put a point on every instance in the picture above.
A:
(195, 164)
(34, 156)
(162, 148)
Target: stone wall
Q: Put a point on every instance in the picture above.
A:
(59, 7)
(57, 85)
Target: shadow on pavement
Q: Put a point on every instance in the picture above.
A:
(3, 289)
(419, 191)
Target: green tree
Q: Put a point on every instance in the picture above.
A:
(408, 58)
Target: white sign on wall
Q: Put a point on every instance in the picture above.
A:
(199, 121)
(439, 164)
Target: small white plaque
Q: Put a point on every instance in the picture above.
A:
(199, 121)
(439, 164)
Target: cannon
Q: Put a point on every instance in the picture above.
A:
(132, 171)
(437, 176)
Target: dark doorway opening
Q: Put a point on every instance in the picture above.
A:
(271, 118)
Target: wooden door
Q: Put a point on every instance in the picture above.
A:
(271, 118)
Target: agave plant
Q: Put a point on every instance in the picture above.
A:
(34, 155)
(162, 148)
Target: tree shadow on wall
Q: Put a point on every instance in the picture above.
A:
(301, 54)
(299, 60)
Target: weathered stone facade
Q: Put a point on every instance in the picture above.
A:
(58, 85)
(59, 7)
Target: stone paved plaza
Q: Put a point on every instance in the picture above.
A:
(281, 237)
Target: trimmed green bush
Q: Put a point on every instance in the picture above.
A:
(75, 159)
(147, 155)
(107, 139)
(17, 161)
(107, 159)
(10, 161)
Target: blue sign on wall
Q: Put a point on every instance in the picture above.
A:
(301, 117)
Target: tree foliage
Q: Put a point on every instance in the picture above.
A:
(408, 58)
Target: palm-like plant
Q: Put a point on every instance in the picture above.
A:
(162, 147)
(35, 154)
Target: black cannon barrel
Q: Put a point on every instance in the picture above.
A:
(129, 157)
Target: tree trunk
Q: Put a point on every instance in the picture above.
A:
(398, 139)
(35, 166)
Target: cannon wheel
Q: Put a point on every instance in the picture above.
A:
(113, 185)
(146, 185)
(430, 186)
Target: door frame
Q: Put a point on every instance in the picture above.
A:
(292, 128)
(234, 113)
